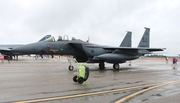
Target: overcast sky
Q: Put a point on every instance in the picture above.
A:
(104, 21)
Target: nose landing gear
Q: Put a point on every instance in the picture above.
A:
(71, 68)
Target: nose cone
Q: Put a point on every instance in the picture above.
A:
(25, 49)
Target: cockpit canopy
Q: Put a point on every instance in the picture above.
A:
(50, 39)
(73, 38)
(65, 38)
(44, 38)
(47, 38)
(59, 38)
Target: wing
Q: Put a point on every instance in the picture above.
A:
(128, 50)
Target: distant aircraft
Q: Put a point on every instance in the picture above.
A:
(89, 52)
(6, 49)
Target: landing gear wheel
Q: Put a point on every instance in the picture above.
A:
(116, 66)
(71, 68)
(80, 80)
(75, 78)
(86, 73)
(101, 65)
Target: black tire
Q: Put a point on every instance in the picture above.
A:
(75, 78)
(86, 73)
(80, 80)
(71, 68)
(101, 65)
(116, 66)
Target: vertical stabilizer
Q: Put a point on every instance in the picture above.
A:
(145, 38)
(127, 40)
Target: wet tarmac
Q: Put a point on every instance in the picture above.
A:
(50, 81)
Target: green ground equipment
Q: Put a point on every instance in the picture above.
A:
(82, 73)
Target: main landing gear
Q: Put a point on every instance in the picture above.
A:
(115, 66)
(101, 65)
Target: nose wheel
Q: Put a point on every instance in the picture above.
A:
(71, 68)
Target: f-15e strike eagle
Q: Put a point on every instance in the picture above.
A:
(91, 53)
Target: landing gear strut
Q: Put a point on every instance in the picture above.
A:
(116, 66)
(101, 65)
(71, 68)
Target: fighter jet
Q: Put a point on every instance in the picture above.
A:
(6, 49)
(89, 52)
